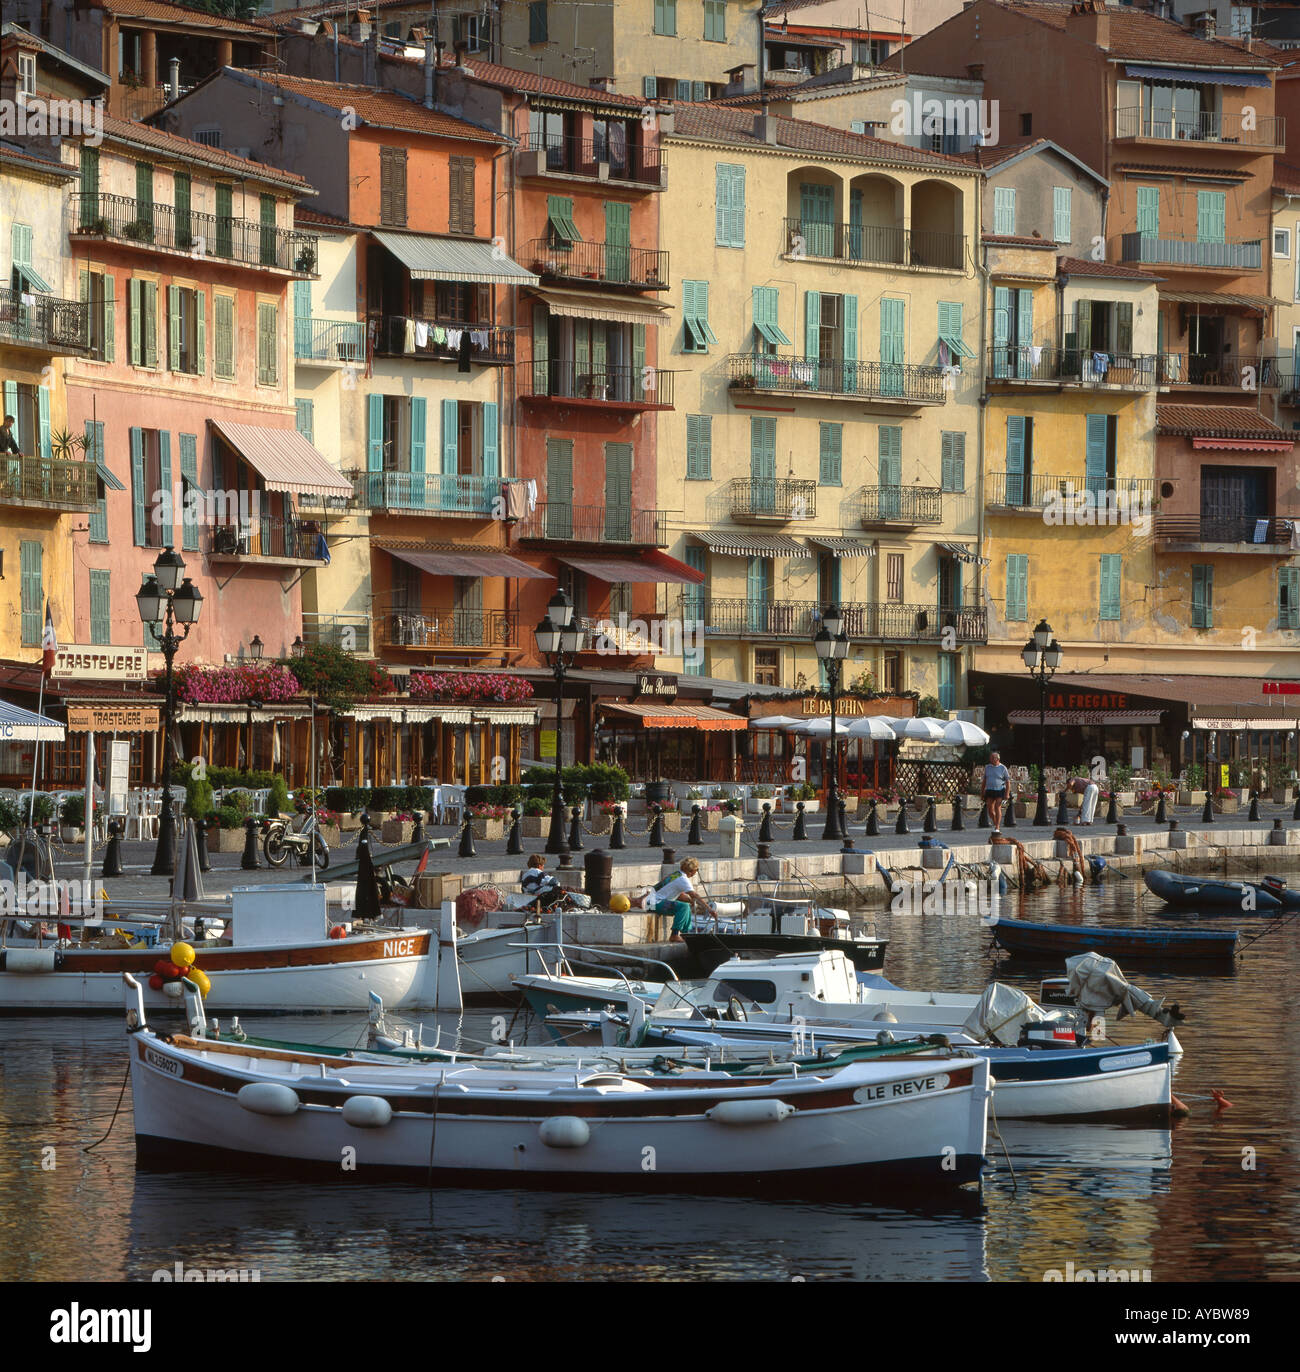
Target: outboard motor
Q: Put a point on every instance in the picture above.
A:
(1275, 886)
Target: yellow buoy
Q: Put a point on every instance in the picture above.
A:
(182, 955)
(201, 980)
(620, 904)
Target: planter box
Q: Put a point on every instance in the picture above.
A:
(601, 824)
(69, 835)
(349, 823)
(396, 831)
(378, 818)
(1072, 801)
(1196, 798)
(810, 807)
(754, 805)
(535, 826)
(1227, 805)
(672, 821)
(225, 840)
(850, 804)
(1283, 795)
(1126, 797)
(332, 835)
(488, 829)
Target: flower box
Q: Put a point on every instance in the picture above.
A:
(67, 834)
(1283, 795)
(1227, 805)
(850, 804)
(535, 826)
(332, 835)
(754, 804)
(378, 818)
(226, 840)
(487, 829)
(396, 831)
(810, 807)
(599, 824)
(672, 821)
(349, 823)
(1126, 797)
(1190, 797)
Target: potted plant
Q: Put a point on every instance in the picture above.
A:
(1192, 789)
(198, 801)
(141, 230)
(1226, 801)
(397, 828)
(536, 822)
(72, 818)
(305, 261)
(229, 835)
(488, 821)
(760, 796)
(807, 793)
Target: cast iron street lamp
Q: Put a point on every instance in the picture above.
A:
(1042, 655)
(164, 601)
(832, 648)
(558, 639)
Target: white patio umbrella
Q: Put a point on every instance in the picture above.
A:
(921, 728)
(775, 722)
(872, 726)
(822, 725)
(967, 734)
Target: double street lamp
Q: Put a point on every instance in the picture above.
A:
(558, 640)
(832, 646)
(1042, 655)
(168, 598)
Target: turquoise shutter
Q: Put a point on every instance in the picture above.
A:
(947, 681)
(419, 426)
(817, 219)
(756, 595)
(1211, 216)
(812, 327)
(699, 447)
(1148, 211)
(830, 454)
(375, 432)
(200, 333)
(855, 252)
(101, 624)
(1288, 598)
(850, 383)
(304, 418)
(149, 331)
(302, 319)
(1017, 606)
(95, 453)
(138, 496)
(1202, 596)
(889, 469)
(729, 198)
(165, 507)
(762, 462)
(29, 565)
(1004, 210)
(1001, 329)
(693, 603)
(174, 328)
(450, 438)
(189, 478)
(44, 446)
(133, 292)
(1111, 564)
(492, 441)
(110, 317)
(1024, 333)
(1017, 485)
(891, 346)
(952, 461)
(638, 362)
(1095, 456)
(1061, 213)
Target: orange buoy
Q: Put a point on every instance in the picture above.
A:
(1177, 1107)
(1221, 1102)
(338, 931)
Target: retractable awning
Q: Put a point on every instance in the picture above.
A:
(520, 716)
(655, 568)
(1263, 722)
(283, 458)
(1222, 300)
(466, 562)
(621, 309)
(844, 547)
(751, 545)
(963, 552)
(22, 726)
(32, 281)
(454, 259)
(679, 717)
(1086, 717)
(1195, 76)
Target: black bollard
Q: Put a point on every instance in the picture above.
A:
(417, 829)
(958, 819)
(695, 838)
(515, 840)
(931, 824)
(1062, 813)
(873, 820)
(765, 827)
(1207, 810)
(900, 827)
(1162, 815)
(248, 863)
(1254, 807)
(363, 834)
(670, 856)
(1009, 813)
(616, 837)
(800, 826)
(983, 822)
(201, 844)
(466, 848)
(575, 830)
(844, 825)
(113, 853)
(1295, 814)
(1112, 810)
(656, 829)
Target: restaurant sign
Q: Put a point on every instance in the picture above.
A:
(656, 686)
(101, 664)
(845, 706)
(113, 719)
(1282, 688)
(1098, 700)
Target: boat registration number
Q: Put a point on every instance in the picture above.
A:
(892, 1090)
(401, 948)
(162, 1062)
(1128, 1060)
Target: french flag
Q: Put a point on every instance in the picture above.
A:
(49, 642)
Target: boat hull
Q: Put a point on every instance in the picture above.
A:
(490, 959)
(1131, 1084)
(1218, 897)
(1049, 942)
(711, 950)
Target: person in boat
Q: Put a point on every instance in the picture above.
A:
(997, 782)
(544, 887)
(1091, 792)
(675, 894)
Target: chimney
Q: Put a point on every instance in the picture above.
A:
(1206, 26)
(1089, 21)
(667, 118)
(765, 126)
(174, 81)
(430, 62)
(603, 83)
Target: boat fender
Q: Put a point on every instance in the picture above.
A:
(268, 1098)
(29, 960)
(564, 1131)
(173, 989)
(367, 1112)
(750, 1112)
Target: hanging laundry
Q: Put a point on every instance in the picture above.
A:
(462, 358)
(439, 334)
(803, 371)
(1100, 363)
(408, 339)
(531, 488)
(1035, 354)
(421, 334)
(479, 338)
(943, 353)
(453, 339)
(516, 499)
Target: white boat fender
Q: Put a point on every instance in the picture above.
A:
(750, 1112)
(564, 1131)
(367, 1112)
(173, 989)
(268, 1098)
(29, 960)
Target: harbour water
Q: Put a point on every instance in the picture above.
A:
(1214, 1199)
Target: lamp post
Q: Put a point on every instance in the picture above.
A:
(558, 639)
(832, 648)
(168, 597)
(1042, 655)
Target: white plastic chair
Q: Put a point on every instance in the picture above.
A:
(452, 804)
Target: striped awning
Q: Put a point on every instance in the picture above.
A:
(467, 561)
(283, 458)
(1086, 717)
(621, 309)
(844, 547)
(19, 725)
(520, 716)
(679, 717)
(1264, 722)
(429, 258)
(1199, 76)
(752, 545)
(963, 552)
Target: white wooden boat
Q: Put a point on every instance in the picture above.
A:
(492, 958)
(199, 1102)
(277, 955)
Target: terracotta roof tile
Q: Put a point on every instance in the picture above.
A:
(1193, 173)
(1015, 240)
(1286, 178)
(186, 149)
(1081, 266)
(1217, 421)
(307, 214)
(984, 156)
(37, 164)
(162, 13)
(529, 81)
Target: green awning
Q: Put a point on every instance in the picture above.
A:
(32, 281)
(772, 333)
(429, 258)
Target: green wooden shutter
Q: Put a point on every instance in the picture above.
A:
(101, 622)
(267, 344)
(952, 461)
(302, 341)
(223, 318)
(139, 496)
(638, 361)
(1202, 595)
(1288, 598)
(618, 492)
(1124, 326)
(812, 325)
(149, 332)
(762, 462)
(20, 245)
(29, 563)
(225, 219)
(166, 505)
(559, 488)
(1024, 333)
(537, 25)
(1095, 455)
(134, 296)
(618, 240)
(1017, 474)
(892, 328)
(541, 350)
(304, 418)
(88, 185)
(1111, 564)
(200, 333)
(889, 451)
(144, 193)
(419, 439)
(181, 200)
(1211, 216)
(830, 454)
(729, 197)
(43, 443)
(95, 453)
(374, 433)
(174, 328)
(189, 460)
(1004, 210)
(849, 382)
(650, 87)
(450, 437)
(1148, 211)
(491, 439)
(817, 219)
(699, 447)
(1017, 606)
(1061, 213)
(110, 317)
(1001, 330)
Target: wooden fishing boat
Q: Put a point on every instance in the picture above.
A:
(1216, 897)
(1021, 938)
(200, 1103)
(710, 950)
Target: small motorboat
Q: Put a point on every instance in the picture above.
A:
(1213, 896)
(1022, 938)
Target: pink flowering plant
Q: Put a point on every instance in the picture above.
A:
(489, 811)
(236, 684)
(481, 686)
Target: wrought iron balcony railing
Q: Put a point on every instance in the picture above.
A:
(874, 505)
(611, 264)
(329, 340)
(899, 381)
(1237, 254)
(557, 379)
(1014, 362)
(1035, 491)
(1237, 371)
(348, 632)
(602, 160)
(773, 497)
(1253, 531)
(442, 340)
(869, 244)
(555, 521)
(43, 322)
(449, 628)
(1205, 127)
(257, 538)
(431, 492)
(151, 224)
(52, 481)
(890, 621)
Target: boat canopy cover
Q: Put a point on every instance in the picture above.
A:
(999, 1014)
(1097, 984)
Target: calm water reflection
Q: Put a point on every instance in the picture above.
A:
(1179, 1202)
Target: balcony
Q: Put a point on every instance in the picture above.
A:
(158, 227)
(47, 324)
(583, 159)
(772, 499)
(1227, 371)
(872, 244)
(431, 340)
(1234, 254)
(877, 507)
(555, 521)
(897, 383)
(1019, 492)
(800, 619)
(329, 340)
(577, 383)
(607, 264)
(48, 481)
(276, 542)
(351, 633)
(1070, 367)
(489, 629)
(604, 636)
(1231, 533)
(1225, 131)
(436, 493)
